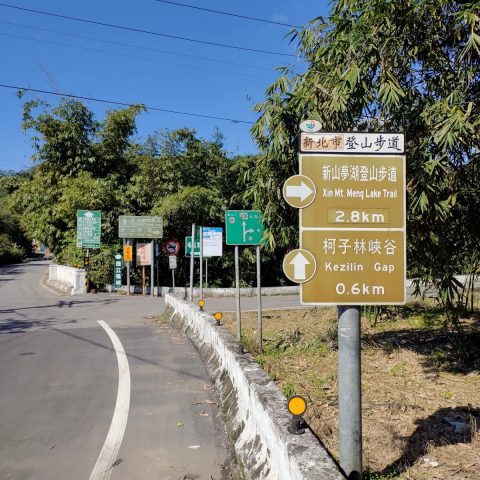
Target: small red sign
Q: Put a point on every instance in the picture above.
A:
(172, 247)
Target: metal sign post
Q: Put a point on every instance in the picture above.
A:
(349, 391)
(192, 256)
(201, 262)
(129, 250)
(172, 260)
(206, 272)
(152, 271)
(86, 264)
(259, 296)
(157, 259)
(237, 294)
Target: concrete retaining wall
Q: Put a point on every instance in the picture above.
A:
(252, 406)
(67, 279)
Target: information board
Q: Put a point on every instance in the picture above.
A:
(212, 241)
(89, 228)
(140, 227)
(188, 247)
(352, 223)
(144, 254)
(243, 227)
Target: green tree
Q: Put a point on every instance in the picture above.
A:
(82, 163)
(376, 65)
(14, 245)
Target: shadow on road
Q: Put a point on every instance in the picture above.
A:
(63, 304)
(111, 349)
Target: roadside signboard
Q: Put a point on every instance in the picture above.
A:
(89, 228)
(172, 247)
(172, 262)
(144, 254)
(188, 247)
(128, 253)
(352, 223)
(140, 227)
(117, 281)
(243, 227)
(212, 241)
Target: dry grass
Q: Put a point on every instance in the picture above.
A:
(420, 405)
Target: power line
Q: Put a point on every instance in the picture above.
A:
(148, 32)
(122, 104)
(229, 14)
(141, 47)
(132, 56)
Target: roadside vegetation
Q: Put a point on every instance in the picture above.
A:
(421, 401)
(14, 243)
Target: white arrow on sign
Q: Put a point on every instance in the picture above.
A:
(299, 263)
(246, 231)
(301, 191)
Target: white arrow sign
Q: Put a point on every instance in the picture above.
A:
(301, 191)
(246, 231)
(299, 263)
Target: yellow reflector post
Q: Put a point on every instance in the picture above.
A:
(217, 316)
(297, 405)
(201, 303)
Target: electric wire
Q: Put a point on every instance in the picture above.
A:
(141, 47)
(229, 14)
(123, 104)
(51, 42)
(147, 32)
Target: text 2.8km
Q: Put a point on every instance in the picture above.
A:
(336, 215)
(359, 289)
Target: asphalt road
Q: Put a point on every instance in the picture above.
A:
(92, 388)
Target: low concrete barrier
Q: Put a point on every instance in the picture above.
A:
(67, 279)
(252, 406)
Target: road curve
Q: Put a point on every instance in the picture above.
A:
(59, 386)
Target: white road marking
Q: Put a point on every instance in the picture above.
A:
(108, 455)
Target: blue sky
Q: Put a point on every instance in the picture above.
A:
(53, 54)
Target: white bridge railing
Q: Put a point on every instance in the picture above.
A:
(67, 279)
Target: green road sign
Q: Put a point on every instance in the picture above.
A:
(117, 274)
(140, 227)
(243, 227)
(89, 228)
(188, 246)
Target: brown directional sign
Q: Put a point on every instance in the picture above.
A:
(355, 267)
(354, 225)
(355, 191)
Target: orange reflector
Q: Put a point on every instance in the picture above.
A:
(217, 316)
(297, 405)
